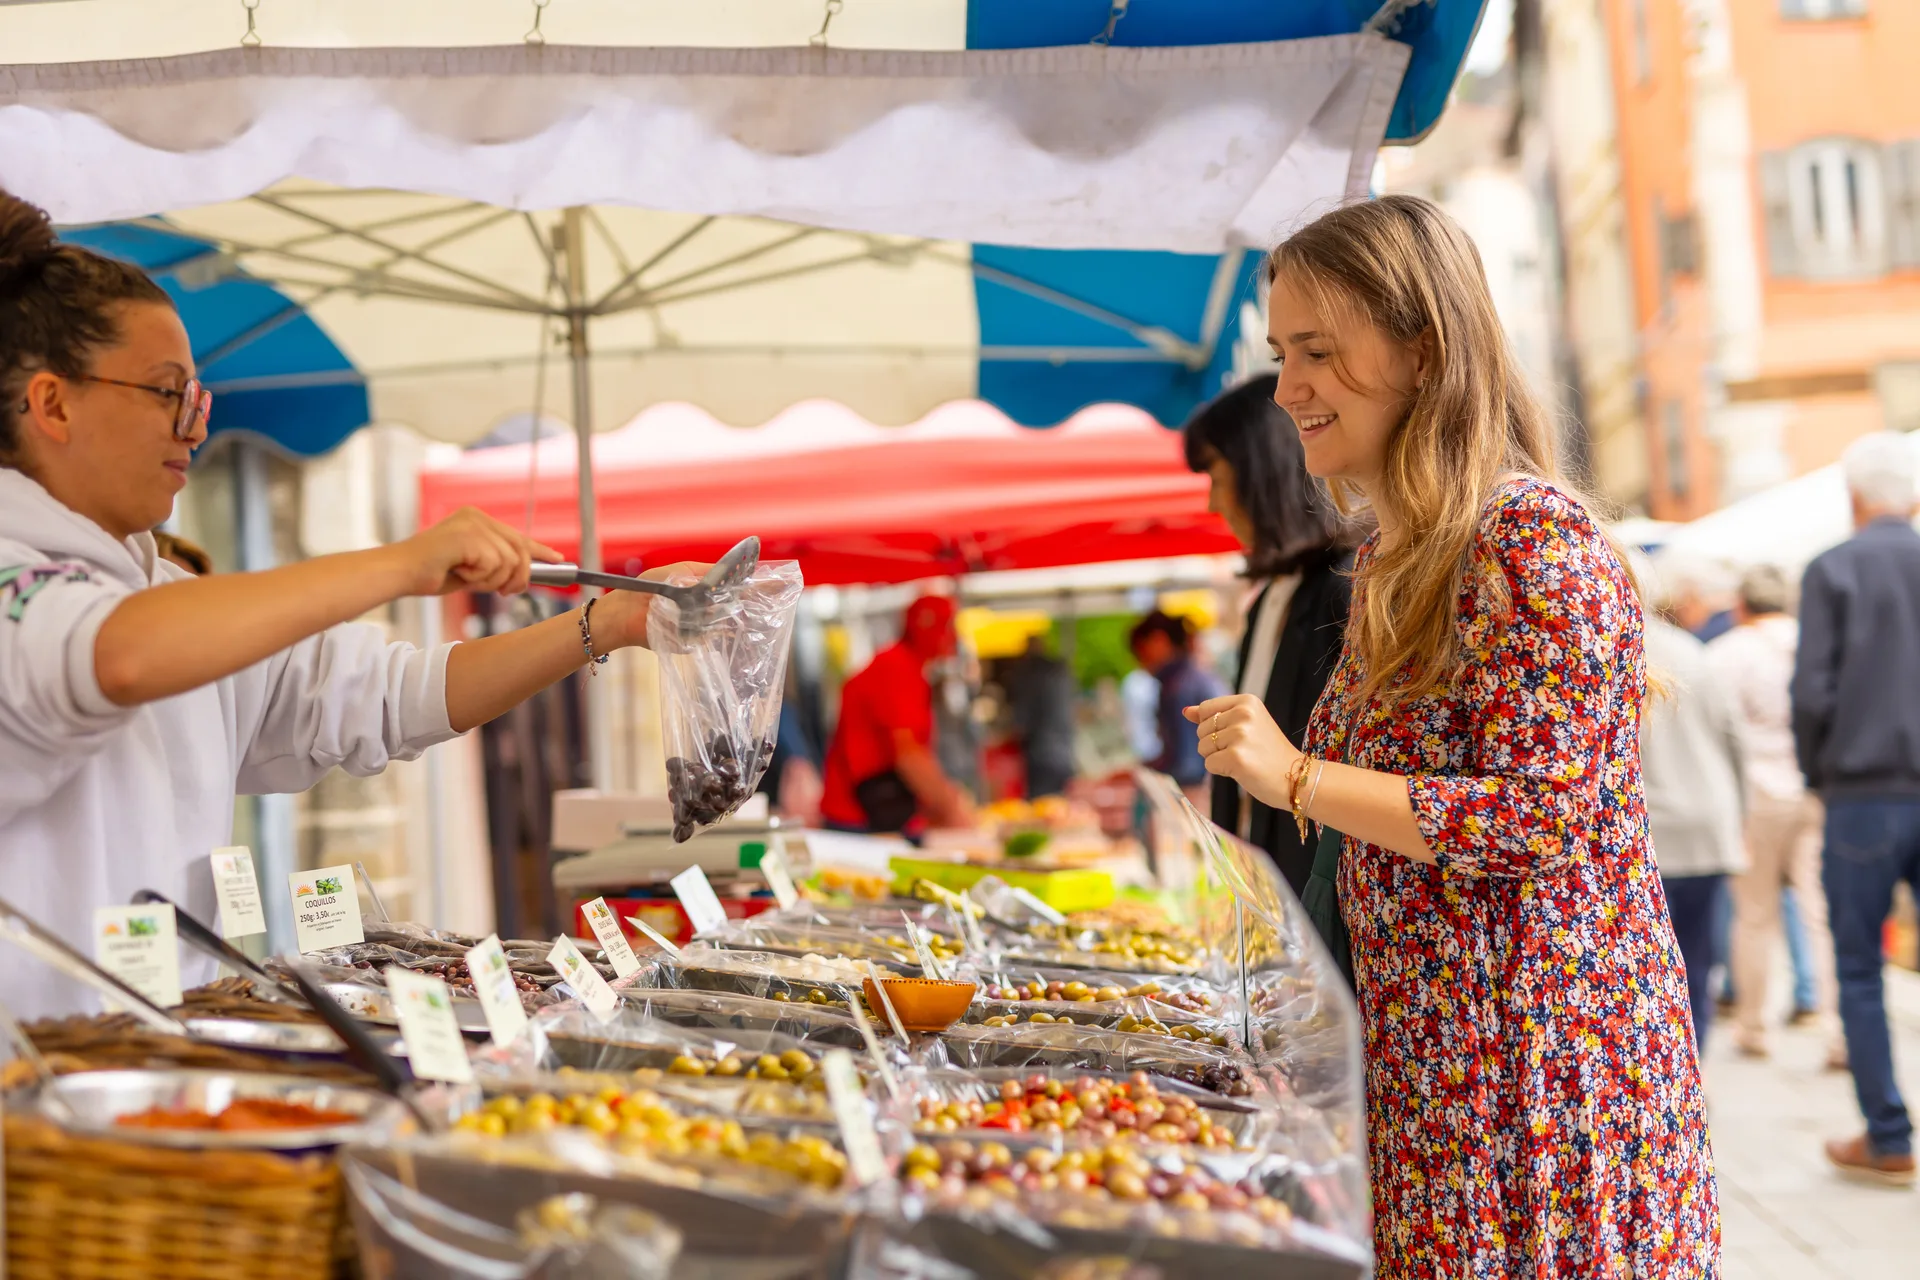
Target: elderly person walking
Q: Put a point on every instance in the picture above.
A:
(1856, 728)
(1755, 663)
(1694, 766)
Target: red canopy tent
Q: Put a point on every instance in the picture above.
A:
(963, 489)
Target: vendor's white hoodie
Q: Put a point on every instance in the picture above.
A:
(97, 801)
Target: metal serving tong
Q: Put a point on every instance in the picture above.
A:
(696, 602)
(234, 1033)
(207, 942)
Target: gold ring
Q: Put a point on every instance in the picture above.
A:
(1216, 724)
(1216, 739)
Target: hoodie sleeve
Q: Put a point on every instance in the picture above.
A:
(345, 698)
(52, 713)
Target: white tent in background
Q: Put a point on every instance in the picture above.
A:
(1785, 525)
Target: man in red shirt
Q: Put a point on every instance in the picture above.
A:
(881, 772)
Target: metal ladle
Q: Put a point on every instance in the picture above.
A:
(696, 601)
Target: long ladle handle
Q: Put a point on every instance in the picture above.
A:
(30, 935)
(361, 1046)
(571, 575)
(206, 941)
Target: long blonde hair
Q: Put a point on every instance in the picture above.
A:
(1403, 265)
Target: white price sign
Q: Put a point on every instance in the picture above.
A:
(699, 901)
(498, 993)
(583, 978)
(779, 874)
(141, 947)
(424, 1008)
(238, 892)
(866, 1163)
(326, 908)
(612, 941)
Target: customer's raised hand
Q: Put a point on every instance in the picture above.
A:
(1239, 740)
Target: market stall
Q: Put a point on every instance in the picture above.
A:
(839, 1086)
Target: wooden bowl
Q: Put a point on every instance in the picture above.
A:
(923, 1004)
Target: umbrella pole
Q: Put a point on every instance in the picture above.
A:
(573, 227)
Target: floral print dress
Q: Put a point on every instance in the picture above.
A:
(1533, 1095)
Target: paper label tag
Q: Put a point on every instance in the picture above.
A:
(326, 908)
(612, 940)
(424, 1008)
(238, 892)
(1039, 908)
(658, 939)
(583, 978)
(878, 975)
(141, 947)
(924, 950)
(494, 986)
(866, 1163)
(861, 1019)
(779, 876)
(697, 897)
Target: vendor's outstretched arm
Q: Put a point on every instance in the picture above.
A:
(182, 635)
(920, 769)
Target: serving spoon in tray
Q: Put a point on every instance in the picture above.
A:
(697, 601)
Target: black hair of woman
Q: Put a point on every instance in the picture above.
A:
(59, 304)
(1290, 522)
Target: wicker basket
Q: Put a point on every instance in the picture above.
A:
(87, 1208)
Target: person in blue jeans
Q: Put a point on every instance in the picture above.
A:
(1856, 729)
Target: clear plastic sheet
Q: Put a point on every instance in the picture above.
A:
(781, 978)
(722, 672)
(731, 1223)
(404, 1232)
(884, 944)
(1061, 1046)
(953, 1103)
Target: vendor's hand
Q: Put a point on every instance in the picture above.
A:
(1239, 740)
(469, 551)
(620, 617)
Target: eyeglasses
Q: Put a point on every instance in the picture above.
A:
(195, 401)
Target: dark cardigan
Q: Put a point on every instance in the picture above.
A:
(1309, 648)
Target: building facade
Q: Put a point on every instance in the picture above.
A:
(1755, 167)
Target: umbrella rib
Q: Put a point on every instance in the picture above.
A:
(613, 245)
(525, 302)
(786, 273)
(1152, 335)
(407, 219)
(292, 310)
(632, 277)
(759, 251)
(1213, 321)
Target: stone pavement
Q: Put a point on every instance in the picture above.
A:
(1786, 1215)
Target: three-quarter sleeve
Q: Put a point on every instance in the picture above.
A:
(1538, 690)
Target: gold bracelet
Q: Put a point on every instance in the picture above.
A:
(1319, 772)
(1297, 775)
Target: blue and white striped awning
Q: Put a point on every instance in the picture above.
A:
(945, 199)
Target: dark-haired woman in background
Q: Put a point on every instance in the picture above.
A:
(1250, 449)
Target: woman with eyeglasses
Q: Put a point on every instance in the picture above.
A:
(136, 700)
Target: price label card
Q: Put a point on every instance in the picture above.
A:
(970, 926)
(866, 1163)
(141, 947)
(612, 941)
(583, 978)
(238, 892)
(1039, 908)
(698, 899)
(658, 939)
(861, 1015)
(879, 977)
(774, 866)
(326, 908)
(424, 1008)
(924, 950)
(499, 996)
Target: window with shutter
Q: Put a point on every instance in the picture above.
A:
(1903, 204)
(1822, 10)
(1836, 209)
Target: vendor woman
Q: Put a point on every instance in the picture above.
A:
(136, 700)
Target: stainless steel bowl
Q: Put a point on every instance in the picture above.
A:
(96, 1099)
(280, 1037)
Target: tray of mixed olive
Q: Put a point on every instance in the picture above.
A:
(1078, 1107)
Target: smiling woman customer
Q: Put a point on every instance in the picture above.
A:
(1533, 1096)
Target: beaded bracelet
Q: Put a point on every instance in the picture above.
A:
(586, 638)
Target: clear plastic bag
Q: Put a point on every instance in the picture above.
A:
(720, 687)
